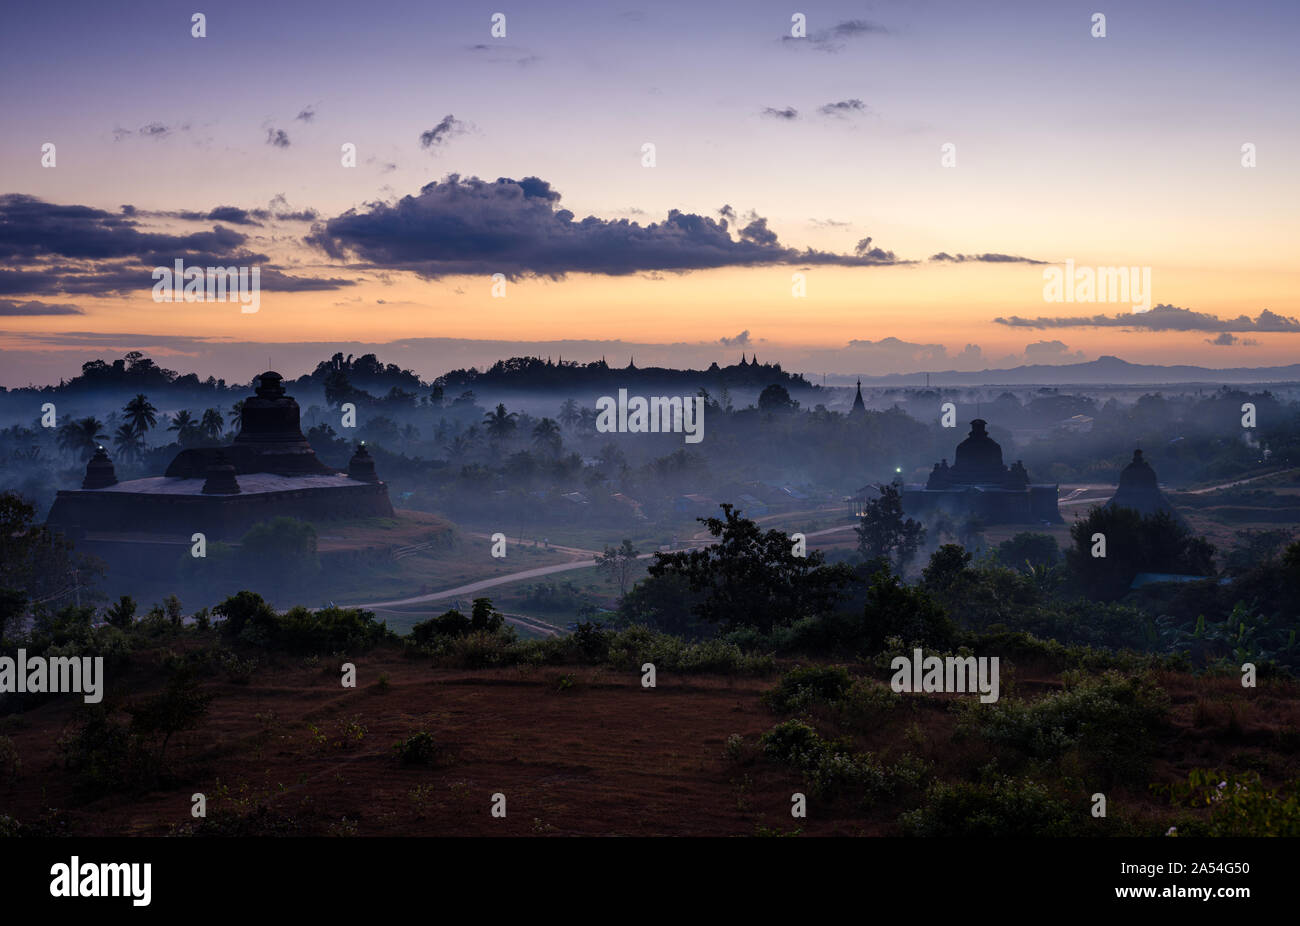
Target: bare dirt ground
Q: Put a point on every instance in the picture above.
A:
(575, 751)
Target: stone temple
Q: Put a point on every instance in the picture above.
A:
(1139, 489)
(268, 471)
(978, 484)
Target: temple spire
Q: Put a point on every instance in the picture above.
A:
(859, 407)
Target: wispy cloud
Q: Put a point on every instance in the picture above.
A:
(1162, 318)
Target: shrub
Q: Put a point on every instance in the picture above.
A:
(897, 610)
(330, 630)
(1111, 720)
(802, 686)
(181, 706)
(476, 650)
(629, 649)
(591, 641)
(1239, 805)
(418, 749)
(238, 671)
(101, 755)
(828, 766)
(867, 702)
(121, 614)
(1003, 806)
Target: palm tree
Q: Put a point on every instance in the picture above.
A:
(81, 437)
(186, 428)
(459, 447)
(499, 423)
(212, 424)
(127, 443)
(569, 415)
(237, 416)
(140, 414)
(546, 436)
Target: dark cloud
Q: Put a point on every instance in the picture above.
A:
(235, 215)
(82, 250)
(864, 249)
(497, 53)
(470, 226)
(855, 27)
(1162, 318)
(837, 37)
(438, 135)
(9, 307)
(843, 108)
(758, 232)
(944, 256)
(1227, 339)
(32, 228)
(740, 340)
(278, 208)
(277, 137)
(307, 114)
(155, 130)
(787, 114)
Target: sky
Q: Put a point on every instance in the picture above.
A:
(801, 201)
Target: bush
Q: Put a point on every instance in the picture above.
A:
(1111, 720)
(897, 610)
(249, 619)
(452, 624)
(101, 754)
(1239, 805)
(591, 641)
(828, 766)
(867, 703)
(418, 749)
(476, 650)
(801, 687)
(331, 630)
(1004, 806)
(631, 648)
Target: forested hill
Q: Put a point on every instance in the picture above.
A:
(537, 373)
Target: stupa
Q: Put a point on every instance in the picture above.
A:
(1139, 489)
(269, 470)
(978, 484)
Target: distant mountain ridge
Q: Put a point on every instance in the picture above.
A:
(1105, 370)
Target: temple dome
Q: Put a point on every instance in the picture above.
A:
(1139, 489)
(979, 458)
(99, 471)
(362, 465)
(220, 477)
(1138, 474)
(270, 439)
